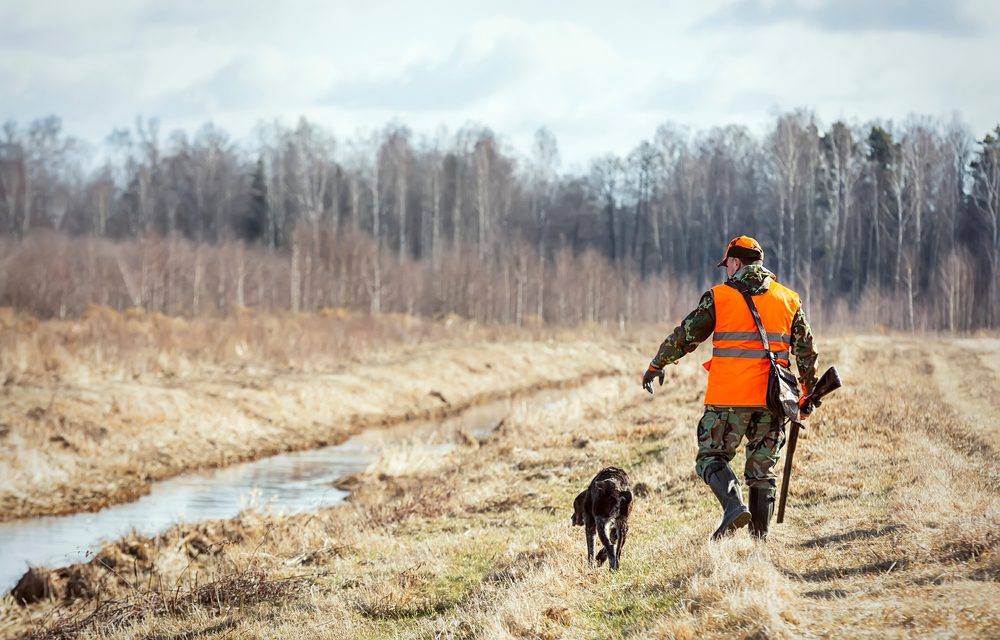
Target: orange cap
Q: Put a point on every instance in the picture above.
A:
(743, 247)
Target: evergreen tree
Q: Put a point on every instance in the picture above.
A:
(984, 206)
(254, 223)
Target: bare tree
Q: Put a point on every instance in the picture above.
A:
(545, 164)
(785, 151)
(606, 183)
(840, 170)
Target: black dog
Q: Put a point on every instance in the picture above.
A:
(605, 504)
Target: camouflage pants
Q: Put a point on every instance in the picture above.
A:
(720, 431)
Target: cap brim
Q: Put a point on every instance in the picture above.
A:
(723, 263)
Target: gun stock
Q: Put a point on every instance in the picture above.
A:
(828, 383)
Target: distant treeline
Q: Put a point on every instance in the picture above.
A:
(894, 225)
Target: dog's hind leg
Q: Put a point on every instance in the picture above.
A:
(591, 529)
(602, 532)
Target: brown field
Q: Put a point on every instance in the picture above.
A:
(892, 527)
(96, 409)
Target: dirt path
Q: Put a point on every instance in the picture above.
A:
(967, 373)
(891, 531)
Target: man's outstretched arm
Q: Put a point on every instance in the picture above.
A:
(692, 331)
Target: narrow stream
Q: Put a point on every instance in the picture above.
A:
(286, 483)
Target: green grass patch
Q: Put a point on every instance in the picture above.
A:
(430, 591)
(629, 608)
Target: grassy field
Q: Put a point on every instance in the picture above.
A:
(96, 409)
(892, 527)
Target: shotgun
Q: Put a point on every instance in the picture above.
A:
(827, 383)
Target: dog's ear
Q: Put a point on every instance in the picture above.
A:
(578, 508)
(625, 503)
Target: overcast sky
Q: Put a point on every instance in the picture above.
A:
(601, 75)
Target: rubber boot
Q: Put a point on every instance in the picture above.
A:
(726, 488)
(761, 508)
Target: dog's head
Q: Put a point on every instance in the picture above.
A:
(579, 507)
(611, 498)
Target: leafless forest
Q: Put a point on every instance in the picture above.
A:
(877, 224)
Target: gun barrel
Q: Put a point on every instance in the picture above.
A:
(793, 436)
(828, 382)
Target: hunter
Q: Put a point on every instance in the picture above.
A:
(735, 401)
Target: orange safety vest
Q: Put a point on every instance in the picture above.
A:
(738, 370)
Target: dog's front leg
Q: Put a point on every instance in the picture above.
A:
(622, 533)
(591, 530)
(602, 531)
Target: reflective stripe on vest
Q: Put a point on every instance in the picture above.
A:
(739, 367)
(758, 354)
(752, 335)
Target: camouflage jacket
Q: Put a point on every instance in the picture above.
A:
(700, 323)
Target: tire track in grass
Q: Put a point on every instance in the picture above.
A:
(882, 544)
(968, 381)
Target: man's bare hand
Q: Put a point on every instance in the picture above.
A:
(650, 375)
(806, 407)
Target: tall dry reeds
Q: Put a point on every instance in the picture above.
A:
(103, 341)
(56, 275)
(52, 275)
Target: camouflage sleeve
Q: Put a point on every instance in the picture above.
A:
(694, 329)
(803, 350)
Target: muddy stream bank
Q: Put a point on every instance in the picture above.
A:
(287, 483)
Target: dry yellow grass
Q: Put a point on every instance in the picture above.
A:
(95, 409)
(891, 530)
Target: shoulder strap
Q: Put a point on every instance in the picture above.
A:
(739, 286)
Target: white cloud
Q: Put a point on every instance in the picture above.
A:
(601, 77)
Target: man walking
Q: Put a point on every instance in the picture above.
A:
(735, 401)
